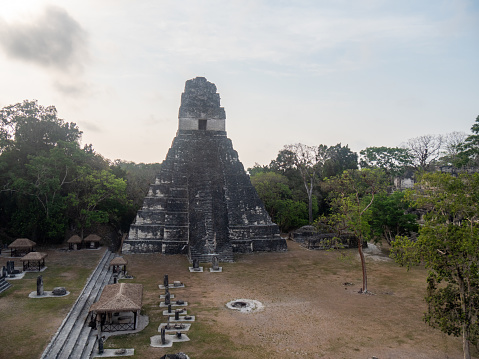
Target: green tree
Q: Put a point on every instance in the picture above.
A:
(90, 191)
(35, 159)
(390, 217)
(273, 189)
(448, 245)
(336, 159)
(393, 160)
(353, 193)
(306, 159)
(469, 150)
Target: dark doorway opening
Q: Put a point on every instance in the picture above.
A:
(202, 125)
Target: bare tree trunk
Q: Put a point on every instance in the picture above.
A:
(363, 265)
(465, 342)
(467, 319)
(310, 207)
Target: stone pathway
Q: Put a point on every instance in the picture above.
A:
(73, 339)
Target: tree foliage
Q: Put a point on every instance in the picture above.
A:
(393, 160)
(448, 245)
(352, 195)
(48, 183)
(391, 216)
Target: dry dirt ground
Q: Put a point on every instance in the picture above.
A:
(308, 312)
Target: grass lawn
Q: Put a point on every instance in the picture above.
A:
(28, 324)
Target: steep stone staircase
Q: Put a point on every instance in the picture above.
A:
(73, 339)
(4, 285)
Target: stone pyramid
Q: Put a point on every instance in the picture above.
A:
(202, 202)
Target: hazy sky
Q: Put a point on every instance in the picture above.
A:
(360, 72)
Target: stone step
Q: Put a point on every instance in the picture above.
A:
(78, 351)
(4, 285)
(60, 339)
(90, 345)
(80, 332)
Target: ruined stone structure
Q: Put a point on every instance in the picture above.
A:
(202, 202)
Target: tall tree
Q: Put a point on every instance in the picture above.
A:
(336, 159)
(90, 191)
(353, 193)
(390, 217)
(306, 160)
(448, 245)
(393, 160)
(453, 144)
(273, 189)
(424, 150)
(469, 154)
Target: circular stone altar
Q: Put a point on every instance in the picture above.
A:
(245, 305)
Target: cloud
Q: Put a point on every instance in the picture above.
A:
(53, 40)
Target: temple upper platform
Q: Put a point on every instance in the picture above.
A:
(200, 108)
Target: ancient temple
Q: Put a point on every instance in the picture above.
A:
(202, 202)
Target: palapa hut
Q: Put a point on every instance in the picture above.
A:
(34, 261)
(92, 241)
(21, 246)
(118, 307)
(119, 265)
(74, 242)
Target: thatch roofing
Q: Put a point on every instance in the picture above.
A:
(34, 256)
(22, 243)
(75, 239)
(120, 297)
(92, 238)
(118, 261)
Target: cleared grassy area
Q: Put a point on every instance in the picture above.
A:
(309, 311)
(28, 324)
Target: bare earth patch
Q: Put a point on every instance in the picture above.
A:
(312, 308)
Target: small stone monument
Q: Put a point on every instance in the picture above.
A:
(167, 299)
(165, 281)
(40, 285)
(215, 263)
(169, 308)
(162, 335)
(10, 267)
(167, 291)
(177, 314)
(100, 345)
(4, 272)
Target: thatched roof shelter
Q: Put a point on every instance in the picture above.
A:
(119, 265)
(22, 243)
(34, 261)
(120, 297)
(92, 238)
(34, 256)
(75, 239)
(118, 261)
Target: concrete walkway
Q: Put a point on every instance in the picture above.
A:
(72, 339)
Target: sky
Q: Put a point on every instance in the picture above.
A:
(360, 72)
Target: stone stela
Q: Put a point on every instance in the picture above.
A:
(202, 202)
